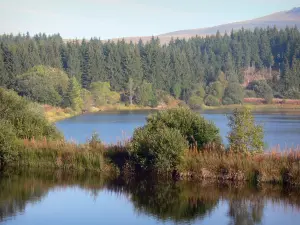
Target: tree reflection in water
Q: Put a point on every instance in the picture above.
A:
(179, 202)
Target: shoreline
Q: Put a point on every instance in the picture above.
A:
(207, 165)
(56, 114)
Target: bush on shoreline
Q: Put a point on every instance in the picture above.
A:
(27, 122)
(197, 131)
(160, 149)
(176, 140)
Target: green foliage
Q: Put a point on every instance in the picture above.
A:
(8, 142)
(26, 121)
(250, 94)
(102, 94)
(268, 96)
(211, 100)
(233, 94)
(215, 89)
(174, 68)
(43, 84)
(161, 149)
(261, 88)
(197, 131)
(292, 93)
(245, 135)
(145, 95)
(199, 90)
(195, 102)
(73, 97)
(87, 99)
(177, 90)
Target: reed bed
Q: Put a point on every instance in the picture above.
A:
(272, 167)
(64, 155)
(214, 162)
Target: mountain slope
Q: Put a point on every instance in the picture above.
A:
(282, 19)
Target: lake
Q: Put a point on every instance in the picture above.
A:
(53, 197)
(280, 129)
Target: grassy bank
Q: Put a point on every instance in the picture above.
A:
(54, 114)
(64, 155)
(273, 167)
(274, 107)
(209, 164)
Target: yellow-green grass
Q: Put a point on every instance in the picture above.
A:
(274, 167)
(63, 155)
(286, 108)
(212, 164)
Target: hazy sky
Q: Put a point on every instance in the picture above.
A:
(120, 18)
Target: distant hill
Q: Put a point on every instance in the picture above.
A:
(281, 20)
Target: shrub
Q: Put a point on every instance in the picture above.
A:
(245, 135)
(197, 131)
(250, 94)
(292, 94)
(234, 91)
(216, 89)
(199, 90)
(268, 97)
(160, 149)
(26, 121)
(211, 101)
(195, 102)
(43, 84)
(261, 88)
(8, 142)
(227, 101)
(279, 95)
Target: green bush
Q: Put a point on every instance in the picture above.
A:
(235, 93)
(227, 101)
(195, 102)
(211, 101)
(197, 131)
(245, 135)
(250, 94)
(261, 88)
(216, 89)
(8, 142)
(27, 122)
(43, 84)
(292, 94)
(159, 149)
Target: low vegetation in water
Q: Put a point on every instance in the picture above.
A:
(176, 142)
(271, 167)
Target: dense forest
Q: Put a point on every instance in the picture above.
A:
(214, 70)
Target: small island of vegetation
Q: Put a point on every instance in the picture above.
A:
(176, 143)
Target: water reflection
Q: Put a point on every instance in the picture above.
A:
(246, 212)
(170, 200)
(164, 201)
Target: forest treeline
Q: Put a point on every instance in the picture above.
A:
(208, 70)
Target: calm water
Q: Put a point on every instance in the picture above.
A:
(55, 198)
(280, 129)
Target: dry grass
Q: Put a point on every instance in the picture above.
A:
(63, 155)
(212, 163)
(275, 167)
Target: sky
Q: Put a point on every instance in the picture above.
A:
(107, 19)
